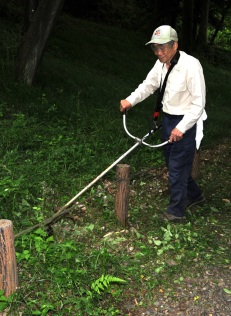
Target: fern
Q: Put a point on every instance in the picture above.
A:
(102, 283)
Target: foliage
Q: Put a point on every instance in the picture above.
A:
(66, 274)
(59, 135)
(223, 39)
(102, 283)
(4, 301)
(124, 13)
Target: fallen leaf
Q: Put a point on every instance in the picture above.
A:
(226, 200)
(227, 291)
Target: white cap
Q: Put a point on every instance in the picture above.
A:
(163, 34)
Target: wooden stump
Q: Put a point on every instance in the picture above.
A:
(122, 193)
(196, 165)
(8, 267)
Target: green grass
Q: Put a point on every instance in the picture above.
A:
(59, 135)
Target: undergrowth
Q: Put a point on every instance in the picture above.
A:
(59, 135)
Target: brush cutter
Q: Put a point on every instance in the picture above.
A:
(139, 141)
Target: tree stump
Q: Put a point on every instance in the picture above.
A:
(122, 193)
(8, 267)
(196, 165)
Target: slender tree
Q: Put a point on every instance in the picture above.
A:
(35, 39)
(203, 26)
(187, 26)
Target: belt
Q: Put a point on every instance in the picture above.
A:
(173, 115)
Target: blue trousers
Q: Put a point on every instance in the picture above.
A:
(179, 159)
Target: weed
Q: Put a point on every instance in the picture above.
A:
(4, 301)
(102, 283)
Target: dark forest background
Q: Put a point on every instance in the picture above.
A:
(202, 26)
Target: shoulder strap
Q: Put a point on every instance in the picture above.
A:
(161, 90)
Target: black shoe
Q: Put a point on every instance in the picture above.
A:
(191, 203)
(171, 218)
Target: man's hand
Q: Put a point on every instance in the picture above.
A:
(124, 105)
(176, 135)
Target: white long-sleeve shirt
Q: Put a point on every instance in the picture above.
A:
(184, 92)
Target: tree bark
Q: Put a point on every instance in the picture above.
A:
(30, 7)
(35, 39)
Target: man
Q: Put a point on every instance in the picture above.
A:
(182, 101)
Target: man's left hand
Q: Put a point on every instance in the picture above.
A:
(176, 135)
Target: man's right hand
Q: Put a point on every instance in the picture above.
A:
(124, 105)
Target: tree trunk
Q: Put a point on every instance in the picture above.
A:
(35, 39)
(30, 7)
(203, 28)
(187, 26)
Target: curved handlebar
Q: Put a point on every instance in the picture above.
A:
(146, 136)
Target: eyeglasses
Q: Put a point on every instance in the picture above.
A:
(162, 47)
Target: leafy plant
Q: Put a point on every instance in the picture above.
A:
(103, 283)
(4, 301)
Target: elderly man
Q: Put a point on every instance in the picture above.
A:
(181, 96)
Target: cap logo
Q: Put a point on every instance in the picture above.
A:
(157, 33)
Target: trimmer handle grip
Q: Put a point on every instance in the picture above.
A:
(156, 115)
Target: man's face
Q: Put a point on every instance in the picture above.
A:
(165, 52)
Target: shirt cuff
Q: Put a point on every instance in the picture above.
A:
(131, 100)
(181, 127)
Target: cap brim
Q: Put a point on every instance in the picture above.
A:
(161, 41)
(156, 41)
